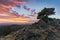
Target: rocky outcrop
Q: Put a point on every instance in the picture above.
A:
(37, 31)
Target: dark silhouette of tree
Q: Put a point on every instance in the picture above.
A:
(45, 13)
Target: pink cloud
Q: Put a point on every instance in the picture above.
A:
(7, 5)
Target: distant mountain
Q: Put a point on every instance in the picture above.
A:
(8, 28)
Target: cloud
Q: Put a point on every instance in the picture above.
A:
(6, 7)
(12, 3)
(26, 8)
(9, 15)
(33, 12)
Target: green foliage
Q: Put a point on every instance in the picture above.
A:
(45, 13)
(53, 21)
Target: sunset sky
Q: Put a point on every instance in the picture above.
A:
(25, 11)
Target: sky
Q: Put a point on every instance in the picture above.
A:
(25, 11)
(38, 5)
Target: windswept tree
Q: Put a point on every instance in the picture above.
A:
(45, 13)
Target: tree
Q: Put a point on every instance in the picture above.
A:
(45, 13)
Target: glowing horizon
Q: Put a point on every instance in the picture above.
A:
(18, 20)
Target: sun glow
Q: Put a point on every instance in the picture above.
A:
(17, 20)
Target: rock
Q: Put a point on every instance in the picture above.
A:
(36, 31)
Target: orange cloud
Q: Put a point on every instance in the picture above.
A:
(12, 3)
(12, 14)
(20, 1)
(4, 11)
(7, 5)
(9, 15)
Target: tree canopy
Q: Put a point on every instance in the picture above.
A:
(45, 12)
